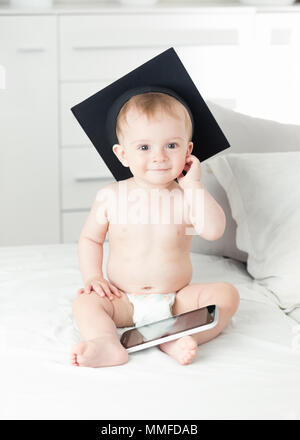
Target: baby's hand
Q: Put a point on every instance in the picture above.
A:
(193, 172)
(102, 287)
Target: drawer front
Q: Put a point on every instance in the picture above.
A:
(83, 173)
(90, 51)
(72, 223)
(21, 35)
(277, 29)
(277, 78)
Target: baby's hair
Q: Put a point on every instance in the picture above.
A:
(148, 104)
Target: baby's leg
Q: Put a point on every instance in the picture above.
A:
(97, 318)
(195, 296)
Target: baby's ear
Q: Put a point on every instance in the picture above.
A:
(190, 148)
(119, 151)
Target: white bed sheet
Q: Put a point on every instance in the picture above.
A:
(250, 371)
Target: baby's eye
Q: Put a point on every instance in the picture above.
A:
(173, 146)
(142, 147)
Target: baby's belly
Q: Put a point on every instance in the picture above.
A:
(151, 274)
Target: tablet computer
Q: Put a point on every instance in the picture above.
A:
(168, 329)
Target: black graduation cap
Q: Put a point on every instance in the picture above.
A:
(164, 73)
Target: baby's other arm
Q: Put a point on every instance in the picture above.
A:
(204, 213)
(210, 222)
(90, 248)
(92, 237)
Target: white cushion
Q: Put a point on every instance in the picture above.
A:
(264, 195)
(245, 135)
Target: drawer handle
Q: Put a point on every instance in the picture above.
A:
(281, 36)
(90, 178)
(31, 49)
(202, 37)
(87, 47)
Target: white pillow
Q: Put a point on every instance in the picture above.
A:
(264, 194)
(245, 134)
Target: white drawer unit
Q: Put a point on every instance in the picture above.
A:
(29, 188)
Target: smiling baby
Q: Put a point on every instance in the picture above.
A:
(148, 218)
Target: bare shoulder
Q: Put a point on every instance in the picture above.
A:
(105, 191)
(115, 186)
(111, 186)
(108, 195)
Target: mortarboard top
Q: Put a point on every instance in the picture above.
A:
(165, 73)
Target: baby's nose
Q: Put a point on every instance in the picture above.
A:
(159, 156)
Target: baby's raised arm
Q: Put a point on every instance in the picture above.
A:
(90, 250)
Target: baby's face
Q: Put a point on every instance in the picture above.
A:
(155, 150)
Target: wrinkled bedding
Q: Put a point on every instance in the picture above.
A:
(250, 371)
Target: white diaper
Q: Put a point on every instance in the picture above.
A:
(151, 307)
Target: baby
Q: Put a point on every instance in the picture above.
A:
(149, 258)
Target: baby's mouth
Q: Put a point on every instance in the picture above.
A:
(160, 169)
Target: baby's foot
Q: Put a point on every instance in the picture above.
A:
(104, 351)
(183, 350)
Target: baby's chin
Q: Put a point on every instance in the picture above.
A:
(153, 177)
(158, 181)
(161, 174)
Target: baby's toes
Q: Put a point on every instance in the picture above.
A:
(77, 351)
(74, 361)
(191, 349)
(187, 359)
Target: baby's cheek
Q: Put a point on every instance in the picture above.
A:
(180, 162)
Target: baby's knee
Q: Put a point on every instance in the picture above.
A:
(84, 301)
(228, 297)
